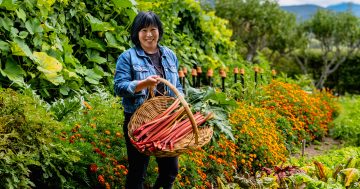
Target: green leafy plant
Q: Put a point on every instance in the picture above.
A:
(29, 156)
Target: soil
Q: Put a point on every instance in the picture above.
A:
(319, 148)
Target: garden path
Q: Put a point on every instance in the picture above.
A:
(320, 148)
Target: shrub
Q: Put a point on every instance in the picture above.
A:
(347, 126)
(309, 114)
(258, 137)
(29, 157)
(95, 129)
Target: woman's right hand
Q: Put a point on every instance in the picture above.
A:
(150, 81)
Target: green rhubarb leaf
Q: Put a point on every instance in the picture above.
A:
(20, 48)
(6, 23)
(124, 3)
(94, 56)
(112, 42)
(93, 44)
(9, 4)
(21, 14)
(13, 71)
(4, 46)
(92, 76)
(98, 25)
(50, 67)
(34, 26)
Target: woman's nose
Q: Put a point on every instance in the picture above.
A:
(149, 34)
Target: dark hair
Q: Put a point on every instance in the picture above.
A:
(143, 20)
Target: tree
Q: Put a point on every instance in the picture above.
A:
(254, 22)
(338, 35)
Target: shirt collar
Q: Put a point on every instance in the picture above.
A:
(141, 52)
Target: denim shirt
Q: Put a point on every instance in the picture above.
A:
(134, 65)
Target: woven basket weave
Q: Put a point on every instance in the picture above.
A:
(155, 106)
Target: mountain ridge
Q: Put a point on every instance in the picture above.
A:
(305, 11)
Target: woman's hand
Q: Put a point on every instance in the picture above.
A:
(150, 81)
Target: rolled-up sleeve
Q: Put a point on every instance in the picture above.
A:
(124, 83)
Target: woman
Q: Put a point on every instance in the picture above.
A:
(137, 69)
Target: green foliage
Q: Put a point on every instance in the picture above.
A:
(341, 167)
(197, 37)
(60, 47)
(93, 126)
(208, 100)
(346, 125)
(29, 156)
(338, 37)
(265, 24)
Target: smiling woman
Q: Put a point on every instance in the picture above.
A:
(138, 71)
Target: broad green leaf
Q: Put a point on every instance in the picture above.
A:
(4, 46)
(21, 14)
(112, 42)
(92, 76)
(64, 90)
(80, 70)
(13, 71)
(49, 66)
(45, 3)
(94, 56)
(34, 26)
(70, 75)
(9, 4)
(23, 34)
(92, 44)
(132, 12)
(19, 48)
(6, 23)
(124, 3)
(98, 25)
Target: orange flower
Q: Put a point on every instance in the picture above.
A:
(87, 105)
(101, 179)
(93, 167)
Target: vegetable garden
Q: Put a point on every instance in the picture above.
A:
(61, 125)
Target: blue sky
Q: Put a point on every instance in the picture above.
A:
(323, 3)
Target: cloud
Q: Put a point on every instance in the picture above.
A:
(323, 3)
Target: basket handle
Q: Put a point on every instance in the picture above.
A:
(186, 106)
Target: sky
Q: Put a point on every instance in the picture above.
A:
(323, 3)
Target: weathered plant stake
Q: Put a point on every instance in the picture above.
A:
(236, 71)
(194, 74)
(209, 75)
(223, 76)
(199, 72)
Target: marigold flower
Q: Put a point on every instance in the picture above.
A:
(101, 179)
(93, 167)
(87, 105)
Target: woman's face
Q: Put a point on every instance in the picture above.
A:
(148, 38)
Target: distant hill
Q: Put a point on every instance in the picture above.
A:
(304, 12)
(355, 8)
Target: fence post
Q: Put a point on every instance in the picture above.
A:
(193, 74)
(209, 75)
(223, 76)
(256, 69)
(242, 73)
(182, 79)
(273, 73)
(236, 71)
(199, 72)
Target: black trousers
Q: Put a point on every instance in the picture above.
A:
(138, 163)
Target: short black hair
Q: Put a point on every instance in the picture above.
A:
(143, 20)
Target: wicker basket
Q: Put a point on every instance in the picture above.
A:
(156, 105)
